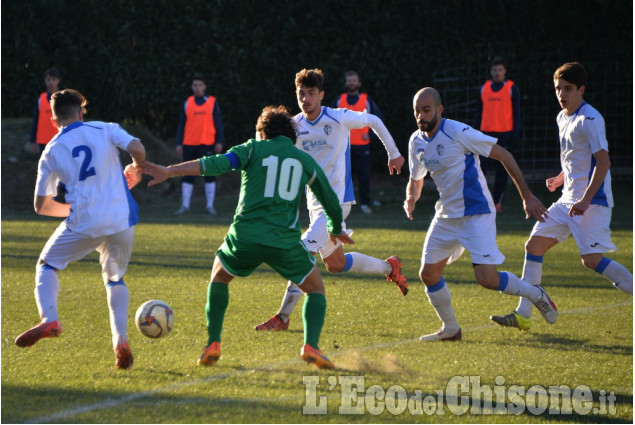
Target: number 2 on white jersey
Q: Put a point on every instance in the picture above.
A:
(85, 170)
(289, 181)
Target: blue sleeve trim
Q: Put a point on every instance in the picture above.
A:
(234, 161)
(504, 278)
(534, 258)
(349, 262)
(436, 287)
(603, 265)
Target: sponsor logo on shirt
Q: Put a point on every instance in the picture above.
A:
(302, 133)
(315, 145)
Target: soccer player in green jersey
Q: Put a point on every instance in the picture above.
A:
(266, 226)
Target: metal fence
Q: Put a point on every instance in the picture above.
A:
(609, 89)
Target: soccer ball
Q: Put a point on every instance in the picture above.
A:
(154, 319)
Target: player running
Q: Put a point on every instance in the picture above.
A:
(584, 209)
(266, 227)
(465, 217)
(101, 214)
(323, 133)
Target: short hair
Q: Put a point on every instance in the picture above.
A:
(498, 61)
(351, 73)
(65, 103)
(200, 77)
(573, 72)
(276, 121)
(310, 78)
(53, 72)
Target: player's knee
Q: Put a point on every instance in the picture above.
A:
(590, 262)
(428, 278)
(334, 267)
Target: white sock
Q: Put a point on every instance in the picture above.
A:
(186, 192)
(47, 286)
(510, 284)
(118, 300)
(210, 192)
(357, 262)
(291, 297)
(440, 298)
(532, 273)
(619, 275)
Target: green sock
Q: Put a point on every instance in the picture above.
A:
(313, 314)
(217, 300)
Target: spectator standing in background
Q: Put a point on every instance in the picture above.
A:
(42, 128)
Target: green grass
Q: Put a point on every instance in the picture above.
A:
(370, 329)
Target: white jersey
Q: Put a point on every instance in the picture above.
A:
(327, 140)
(451, 158)
(84, 157)
(581, 135)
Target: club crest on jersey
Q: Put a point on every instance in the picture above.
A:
(440, 149)
(328, 129)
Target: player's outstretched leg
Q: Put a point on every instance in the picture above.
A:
(396, 275)
(390, 267)
(280, 321)
(440, 298)
(217, 301)
(313, 314)
(617, 274)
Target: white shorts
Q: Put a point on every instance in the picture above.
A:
(449, 237)
(64, 247)
(316, 237)
(590, 231)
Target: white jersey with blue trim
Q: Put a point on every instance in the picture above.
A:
(581, 135)
(326, 139)
(451, 157)
(84, 157)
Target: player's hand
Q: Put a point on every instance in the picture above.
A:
(534, 208)
(395, 165)
(132, 173)
(159, 173)
(409, 207)
(346, 240)
(179, 151)
(579, 208)
(555, 182)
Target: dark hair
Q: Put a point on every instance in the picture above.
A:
(310, 78)
(350, 73)
(199, 76)
(572, 72)
(65, 103)
(53, 72)
(276, 121)
(498, 61)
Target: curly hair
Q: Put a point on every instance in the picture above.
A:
(310, 78)
(276, 121)
(65, 103)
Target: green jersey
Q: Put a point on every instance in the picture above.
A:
(273, 175)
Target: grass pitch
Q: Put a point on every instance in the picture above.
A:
(371, 331)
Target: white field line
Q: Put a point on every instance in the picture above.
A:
(63, 414)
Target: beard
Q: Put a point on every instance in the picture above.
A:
(428, 125)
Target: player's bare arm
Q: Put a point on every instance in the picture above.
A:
(413, 192)
(342, 237)
(555, 182)
(397, 161)
(532, 205)
(159, 173)
(602, 166)
(45, 205)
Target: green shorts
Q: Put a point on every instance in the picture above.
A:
(240, 258)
